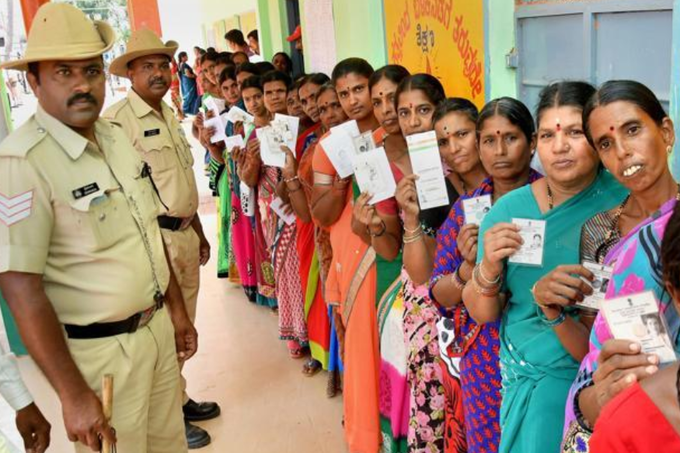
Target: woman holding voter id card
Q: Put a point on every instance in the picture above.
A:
(648, 409)
(507, 162)
(633, 135)
(541, 342)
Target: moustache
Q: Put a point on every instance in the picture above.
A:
(161, 82)
(81, 97)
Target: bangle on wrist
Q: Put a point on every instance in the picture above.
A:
(410, 239)
(383, 227)
(457, 281)
(551, 322)
(413, 231)
(484, 278)
(485, 290)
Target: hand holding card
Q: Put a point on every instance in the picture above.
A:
(637, 318)
(533, 236)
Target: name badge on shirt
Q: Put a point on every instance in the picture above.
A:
(152, 133)
(85, 190)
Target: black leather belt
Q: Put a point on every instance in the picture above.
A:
(110, 329)
(170, 223)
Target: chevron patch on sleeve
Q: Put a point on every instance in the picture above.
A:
(15, 209)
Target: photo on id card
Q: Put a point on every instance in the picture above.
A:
(636, 317)
(533, 235)
(600, 284)
(475, 209)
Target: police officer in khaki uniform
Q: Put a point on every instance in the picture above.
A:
(159, 138)
(82, 261)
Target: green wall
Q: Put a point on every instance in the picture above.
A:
(499, 34)
(360, 30)
(273, 27)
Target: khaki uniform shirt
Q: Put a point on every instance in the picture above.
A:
(161, 143)
(76, 214)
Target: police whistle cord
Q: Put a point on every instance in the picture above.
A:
(107, 405)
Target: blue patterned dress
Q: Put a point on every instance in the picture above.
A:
(474, 352)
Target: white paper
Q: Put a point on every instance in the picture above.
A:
(427, 164)
(277, 207)
(237, 114)
(339, 148)
(364, 143)
(215, 105)
(350, 128)
(286, 127)
(637, 318)
(533, 234)
(475, 209)
(374, 175)
(603, 275)
(217, 122)
(270, 149)
(233, 142)
(247, 200)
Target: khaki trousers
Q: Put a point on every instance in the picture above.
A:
(147, 404)
(184, 250)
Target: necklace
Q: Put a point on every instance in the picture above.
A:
(550, 197)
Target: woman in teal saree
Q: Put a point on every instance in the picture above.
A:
(541, 345)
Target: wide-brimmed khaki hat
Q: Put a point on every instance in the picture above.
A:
(63, 32)
(142, 42)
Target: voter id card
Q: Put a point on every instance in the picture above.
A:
(603, 274)
(533, 234)
(475, 209)
(637, 318)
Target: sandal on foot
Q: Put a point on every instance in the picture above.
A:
(311, 367)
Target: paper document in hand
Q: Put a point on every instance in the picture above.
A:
(476, 209)
(374, 175)
(427, 164)
(600, 284)
(237, 114)
(217, 122)
(637, 318)
(270, 147)
(339, 148)
(287, 128)
(215, 105)
(364, 143)
(350, 128)
(233, 142)
(277, 207)
(533, 234)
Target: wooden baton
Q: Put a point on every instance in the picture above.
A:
(107, 405)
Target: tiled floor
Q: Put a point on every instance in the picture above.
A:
(267, 404)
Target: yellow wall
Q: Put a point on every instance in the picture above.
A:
(218, 17)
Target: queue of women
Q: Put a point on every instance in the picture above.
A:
(439, 340)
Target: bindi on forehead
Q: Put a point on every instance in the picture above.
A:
(611, 128)
(498, 132)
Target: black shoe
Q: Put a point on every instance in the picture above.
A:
(196, 412)
(196, 437)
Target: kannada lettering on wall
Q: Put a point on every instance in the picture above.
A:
(444, 38)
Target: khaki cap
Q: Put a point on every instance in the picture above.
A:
(142, 42)
(63, 32)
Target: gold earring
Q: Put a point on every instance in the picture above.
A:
(669, 150)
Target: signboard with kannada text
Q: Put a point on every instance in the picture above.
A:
(444, 38)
